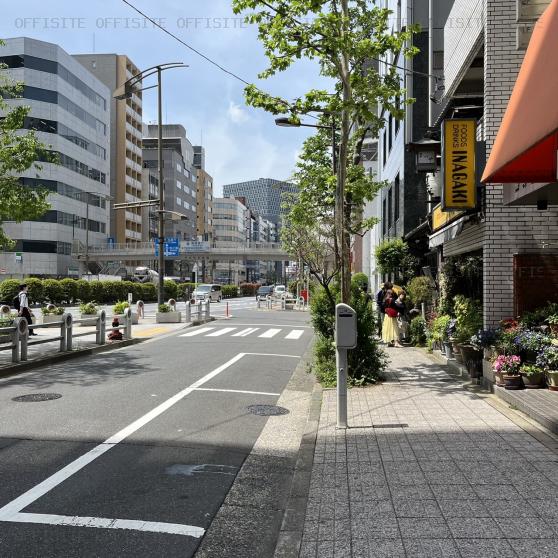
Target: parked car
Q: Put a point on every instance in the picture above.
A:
(279, 291)
(208, 292)
(264, 291)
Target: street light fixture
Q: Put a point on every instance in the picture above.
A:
(125, 91)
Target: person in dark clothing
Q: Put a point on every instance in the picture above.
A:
(23, 310)
(115, 334)
(380, 305)
(401, 307)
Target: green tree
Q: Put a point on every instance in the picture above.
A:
(19, 152)
(344, 37)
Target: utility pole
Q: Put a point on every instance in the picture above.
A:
(161, 294)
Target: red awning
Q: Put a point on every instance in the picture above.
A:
(526, 147)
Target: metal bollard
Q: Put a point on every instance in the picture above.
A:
(188, 312)
(63, 334)
(101, 328)
(208, 310)
(128, 324)
(19, 340)
(172, 304)
(69, 331)
(199, 311)
(140, 308)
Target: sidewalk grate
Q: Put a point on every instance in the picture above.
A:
(36, 397)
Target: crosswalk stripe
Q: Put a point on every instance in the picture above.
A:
(270, 333)
(220, 332)
(295, 334)
(245, 332)
(197, 332)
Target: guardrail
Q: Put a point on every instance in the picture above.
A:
(19, 342)
(199, 310)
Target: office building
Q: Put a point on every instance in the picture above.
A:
(70, 110)
(126, 135)
(204, 198)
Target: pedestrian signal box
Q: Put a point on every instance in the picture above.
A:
(345, 327)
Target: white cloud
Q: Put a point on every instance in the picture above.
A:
(237, 114)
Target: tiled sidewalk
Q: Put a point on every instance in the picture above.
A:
(428, 469)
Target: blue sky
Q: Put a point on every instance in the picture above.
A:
(241, 143)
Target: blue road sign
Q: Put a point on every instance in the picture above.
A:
(171, 247)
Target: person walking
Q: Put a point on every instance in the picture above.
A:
(403, 322)
(390, 327)
(380, 296)
(22, 307)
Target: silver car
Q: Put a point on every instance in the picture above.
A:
(207, 292)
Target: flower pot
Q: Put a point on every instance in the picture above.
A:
(91, 320)
(168, 317)
(552, 380)
(499, 378)
(448, 349)
(512, 382)
(534, 381)
(457, 352)
(489, 353)
(51, 318)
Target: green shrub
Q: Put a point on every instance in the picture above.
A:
(9, 289)
(55, 311)
(417, 331)
(420, 290)
(96, 291)
(367, 361)
(88, 308)
(360, 280)
(83, 290)
(468, 314)
(171, 289)
(36, 290)
(184, 289)
(229, 291)
(120, 307)
(249, 289)
(69, 290)
(439, 330)
(148, 292)
(164, 308)
(53, 291)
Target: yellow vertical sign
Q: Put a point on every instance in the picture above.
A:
(458, 164)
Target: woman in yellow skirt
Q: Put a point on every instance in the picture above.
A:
(390, 328)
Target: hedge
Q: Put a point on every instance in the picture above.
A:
(72, 291)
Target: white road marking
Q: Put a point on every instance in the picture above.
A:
(197, 332)
(295, 334)
(245, 332)
(220, 332)
(239, 391)
(105, 523)
(10, 512)
(273, 355)
(269, 333)
(276, 325)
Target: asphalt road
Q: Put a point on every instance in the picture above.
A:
(139, 452)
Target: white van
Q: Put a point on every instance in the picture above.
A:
(208, 292)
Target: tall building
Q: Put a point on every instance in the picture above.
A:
(126, 135)
(262, 195)
(150, 190)
(70, 110)
(204, 197)
(179, 176)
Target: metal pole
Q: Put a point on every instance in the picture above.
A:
(87, 233)
(342, 365)
(161, 295)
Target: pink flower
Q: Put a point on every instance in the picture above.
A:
(507, 364)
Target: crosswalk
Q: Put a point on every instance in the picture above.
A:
(262, 333)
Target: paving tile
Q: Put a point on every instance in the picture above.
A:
(535, 548)
(510, 508)
(378, 548)
(416, 508)
(530, 527)
(431, 548)
(453, 492)
(485, 548)
(463, 508)
(496, 491)
(423, 528)
(474, 528)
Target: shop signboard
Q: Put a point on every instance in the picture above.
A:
(530, 10)
(459, 180)
(195, 246)
(441, 218)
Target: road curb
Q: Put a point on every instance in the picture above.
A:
(292, 527)
(62, 357)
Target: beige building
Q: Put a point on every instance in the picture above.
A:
(204, 197)
(126, 143)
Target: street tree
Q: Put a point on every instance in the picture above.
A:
(19, 151)
(347, 38)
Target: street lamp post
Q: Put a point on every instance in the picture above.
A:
(123, 92)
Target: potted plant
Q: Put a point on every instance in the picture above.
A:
(166, 316)
(548, 361)
(88, 310)
(468, 316)
(530, 344)
(52, 314)
(451, 332)
(6, 321)
(119, 309)
(506, 371)
(439, 331)
(532, 375)
(552, 321)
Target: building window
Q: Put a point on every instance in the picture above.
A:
(384, 146)
(438, 60)
(384, 217)
(397, 121)
(178, 167)
(396, 186)
(179, 184)
(178, 201)
(390, 208)
(390, 133)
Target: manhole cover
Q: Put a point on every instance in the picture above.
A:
(267, 410)
(34, 397)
